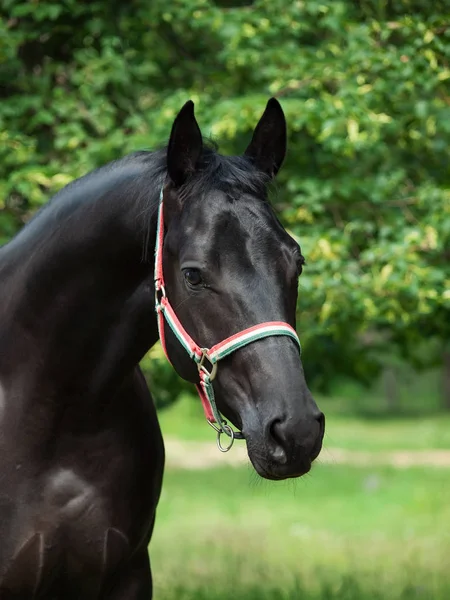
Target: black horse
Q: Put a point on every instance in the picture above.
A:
(81, 453)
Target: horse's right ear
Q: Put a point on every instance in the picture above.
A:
(185, 145)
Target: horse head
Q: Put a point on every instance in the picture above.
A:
(229, 265)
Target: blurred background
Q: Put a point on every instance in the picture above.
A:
(365, 85)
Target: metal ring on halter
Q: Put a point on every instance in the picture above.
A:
(237, 435)
(201, 366)
(228, 431)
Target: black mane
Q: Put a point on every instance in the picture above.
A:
(137, 178)
(229, 174)
(232, 175)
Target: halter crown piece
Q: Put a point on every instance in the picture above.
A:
(200, 355)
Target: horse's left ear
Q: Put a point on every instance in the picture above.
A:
(268, 145)
(185, 145)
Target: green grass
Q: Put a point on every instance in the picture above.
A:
(185, 420)
(341, 533)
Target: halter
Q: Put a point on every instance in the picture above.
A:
(206, 359)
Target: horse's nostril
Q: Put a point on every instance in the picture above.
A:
(274, 434)
(277, 451)
(318, 443)
(321, 421)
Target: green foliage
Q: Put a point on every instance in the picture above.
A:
(365, 87)
(162, 378)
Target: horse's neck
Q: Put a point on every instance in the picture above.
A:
(78, 285)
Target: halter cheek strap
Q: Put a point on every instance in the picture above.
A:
(206, 359)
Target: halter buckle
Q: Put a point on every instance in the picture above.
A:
(160, 293)
(201, 365)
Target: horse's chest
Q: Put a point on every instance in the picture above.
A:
(74, 511)
(69, 496)
(68, 523)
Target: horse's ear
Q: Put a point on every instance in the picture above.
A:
(268, 145)
(185, 145)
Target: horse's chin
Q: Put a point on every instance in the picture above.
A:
(279, 473)
(268, 469)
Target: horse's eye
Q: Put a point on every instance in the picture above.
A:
(193, 276)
